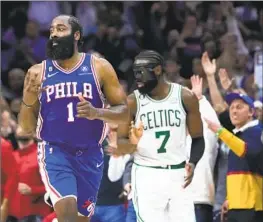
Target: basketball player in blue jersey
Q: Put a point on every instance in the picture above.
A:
(63, 101)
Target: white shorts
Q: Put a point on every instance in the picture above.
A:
(158, 195)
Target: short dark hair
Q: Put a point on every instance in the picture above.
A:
(76, 27)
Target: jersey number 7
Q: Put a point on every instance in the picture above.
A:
(166, 135)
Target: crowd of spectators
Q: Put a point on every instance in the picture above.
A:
(230, 33)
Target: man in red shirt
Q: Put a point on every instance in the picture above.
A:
(9, 177)
(28, 201)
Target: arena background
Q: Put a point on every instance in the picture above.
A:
(180, 31)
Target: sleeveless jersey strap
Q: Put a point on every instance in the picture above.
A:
(49, 68)
(137, 97)
(180, 97)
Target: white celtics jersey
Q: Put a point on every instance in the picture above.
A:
(164, 137)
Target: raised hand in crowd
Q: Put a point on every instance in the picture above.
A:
(197, 86)
(8, 125)
(225, 81)
(208, 65)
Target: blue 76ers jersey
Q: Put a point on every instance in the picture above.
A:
(57, 121)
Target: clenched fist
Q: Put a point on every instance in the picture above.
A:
(85, 109)
(135, 133)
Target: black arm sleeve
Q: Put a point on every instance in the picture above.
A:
(224, 119)
(197, 149)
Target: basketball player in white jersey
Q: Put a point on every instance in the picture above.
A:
(160, 173)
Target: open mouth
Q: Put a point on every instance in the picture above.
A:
(140, 84)
(54, 44)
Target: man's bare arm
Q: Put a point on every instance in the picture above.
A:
(28, 114)
(114, 93)
(124, 146)
(194, 124)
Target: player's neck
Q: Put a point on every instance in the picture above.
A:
(71, 62)
(161, 90)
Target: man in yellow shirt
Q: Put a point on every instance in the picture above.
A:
(245, 174)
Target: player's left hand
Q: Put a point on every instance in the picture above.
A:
(85, 109)
(24, 189)
(135, 133)
(189, 168)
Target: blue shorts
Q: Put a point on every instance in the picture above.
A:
(71, 173)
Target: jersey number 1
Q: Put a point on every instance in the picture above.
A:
(166, 135)
(70, 112)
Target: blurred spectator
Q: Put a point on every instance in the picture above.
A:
(8, 127)
(31, 189)
(3, 103)
(244, 172)
(172, 71)
(189, 44)
(33, 45)
(43, 13)
(210, 47)
(228, 57)
(16, 81)
(15, 106)
(247, 12)
(109, 207)
(203, 187)
(131, 214)
(215, 23)
(9, 178)
(9, 40)
(87, 14)
(259, 111)
(220, 180)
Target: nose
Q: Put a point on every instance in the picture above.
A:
(53, 35)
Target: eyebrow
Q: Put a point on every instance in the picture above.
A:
(58, 25)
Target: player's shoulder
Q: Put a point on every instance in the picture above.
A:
(189, 99)
(102, 65)
(35, 72)
(132, 97)
(187, 93)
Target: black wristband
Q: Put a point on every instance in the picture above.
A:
(197, 149)
(28, 106)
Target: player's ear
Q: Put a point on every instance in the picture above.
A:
(77, 36)
(158, 70)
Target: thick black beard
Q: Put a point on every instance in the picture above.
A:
(148, 87)
(64, 48)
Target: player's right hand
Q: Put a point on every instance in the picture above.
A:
(135, 133)
(189, 168)
(32, 85)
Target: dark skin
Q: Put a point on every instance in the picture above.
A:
(66, 209)
(193, 119)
